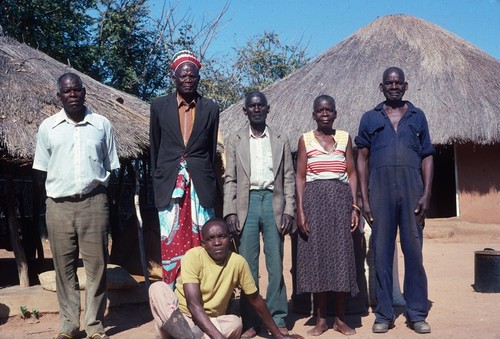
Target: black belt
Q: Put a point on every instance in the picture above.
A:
(80, 197)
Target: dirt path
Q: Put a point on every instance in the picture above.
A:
(457, 311)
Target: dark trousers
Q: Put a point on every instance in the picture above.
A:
(394, 193)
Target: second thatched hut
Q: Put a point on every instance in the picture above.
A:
(455, 83)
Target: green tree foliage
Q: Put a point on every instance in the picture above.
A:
(221, 83)
(129, 56)
(118, 43)
(58, 28)
(265, 60)
(135, 50)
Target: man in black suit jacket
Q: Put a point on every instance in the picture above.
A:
(183, 141)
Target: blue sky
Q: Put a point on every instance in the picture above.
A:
(322, 24)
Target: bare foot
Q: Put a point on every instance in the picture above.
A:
(250, 333)
(317, 330)
(342, 327)
(283, 330)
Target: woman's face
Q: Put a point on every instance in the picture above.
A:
(324, 113)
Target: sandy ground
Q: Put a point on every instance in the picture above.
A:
(457, 311)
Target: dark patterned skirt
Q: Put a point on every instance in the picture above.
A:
(325, 260)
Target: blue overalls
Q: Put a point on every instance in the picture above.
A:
(395, 186)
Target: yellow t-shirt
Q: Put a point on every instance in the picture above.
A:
(217, 282)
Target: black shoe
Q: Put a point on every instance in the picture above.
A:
(382, 327)
(177, 327)
(420, 327)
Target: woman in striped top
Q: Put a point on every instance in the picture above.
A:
(326, 186)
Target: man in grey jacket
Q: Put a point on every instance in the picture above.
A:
(259, 193)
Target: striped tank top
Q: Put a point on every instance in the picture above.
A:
(323, 165)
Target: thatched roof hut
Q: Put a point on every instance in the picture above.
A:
(455, 83)
(28, 96)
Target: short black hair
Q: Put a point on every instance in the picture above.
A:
(393, 69)
(68, 76)
(255, 94)
(325, 97)
(211, 222)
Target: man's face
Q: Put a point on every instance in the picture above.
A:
(72, 95)
(393, 86)
(186, 78)
(256, 109)
(216, 241)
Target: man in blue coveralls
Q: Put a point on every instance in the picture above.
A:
(395, 170)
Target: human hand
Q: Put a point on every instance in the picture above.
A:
(367, 212)
(421, 209)
(286, 224)
(354, 220)
(368, 217)
(304, 229)
(233, 224)
(302, 224)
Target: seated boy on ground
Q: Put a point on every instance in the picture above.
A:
(209, 275)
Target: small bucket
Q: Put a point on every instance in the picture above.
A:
(487, 271)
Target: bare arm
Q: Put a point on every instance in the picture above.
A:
(200, 317)
(353, 184)
(362, 166)
(300, 184)
(427, 176)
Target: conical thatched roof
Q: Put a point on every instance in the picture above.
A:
(456, 84)
(28, 96)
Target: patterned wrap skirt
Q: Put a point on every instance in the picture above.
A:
(180, 225)
(325, 260)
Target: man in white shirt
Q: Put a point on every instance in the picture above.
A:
(76, 149)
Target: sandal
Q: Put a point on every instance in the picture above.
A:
(99, 336)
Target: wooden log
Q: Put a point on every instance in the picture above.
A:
(15, 240)
(36, 215)
(117, 197)
(140, 236)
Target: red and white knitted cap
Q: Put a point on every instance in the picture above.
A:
(184, 56)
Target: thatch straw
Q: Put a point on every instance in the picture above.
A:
(28, 96)
(456, 84)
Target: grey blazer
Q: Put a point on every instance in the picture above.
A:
(237, 175)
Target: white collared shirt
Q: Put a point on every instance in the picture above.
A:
(76, 156)
(261, 161)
